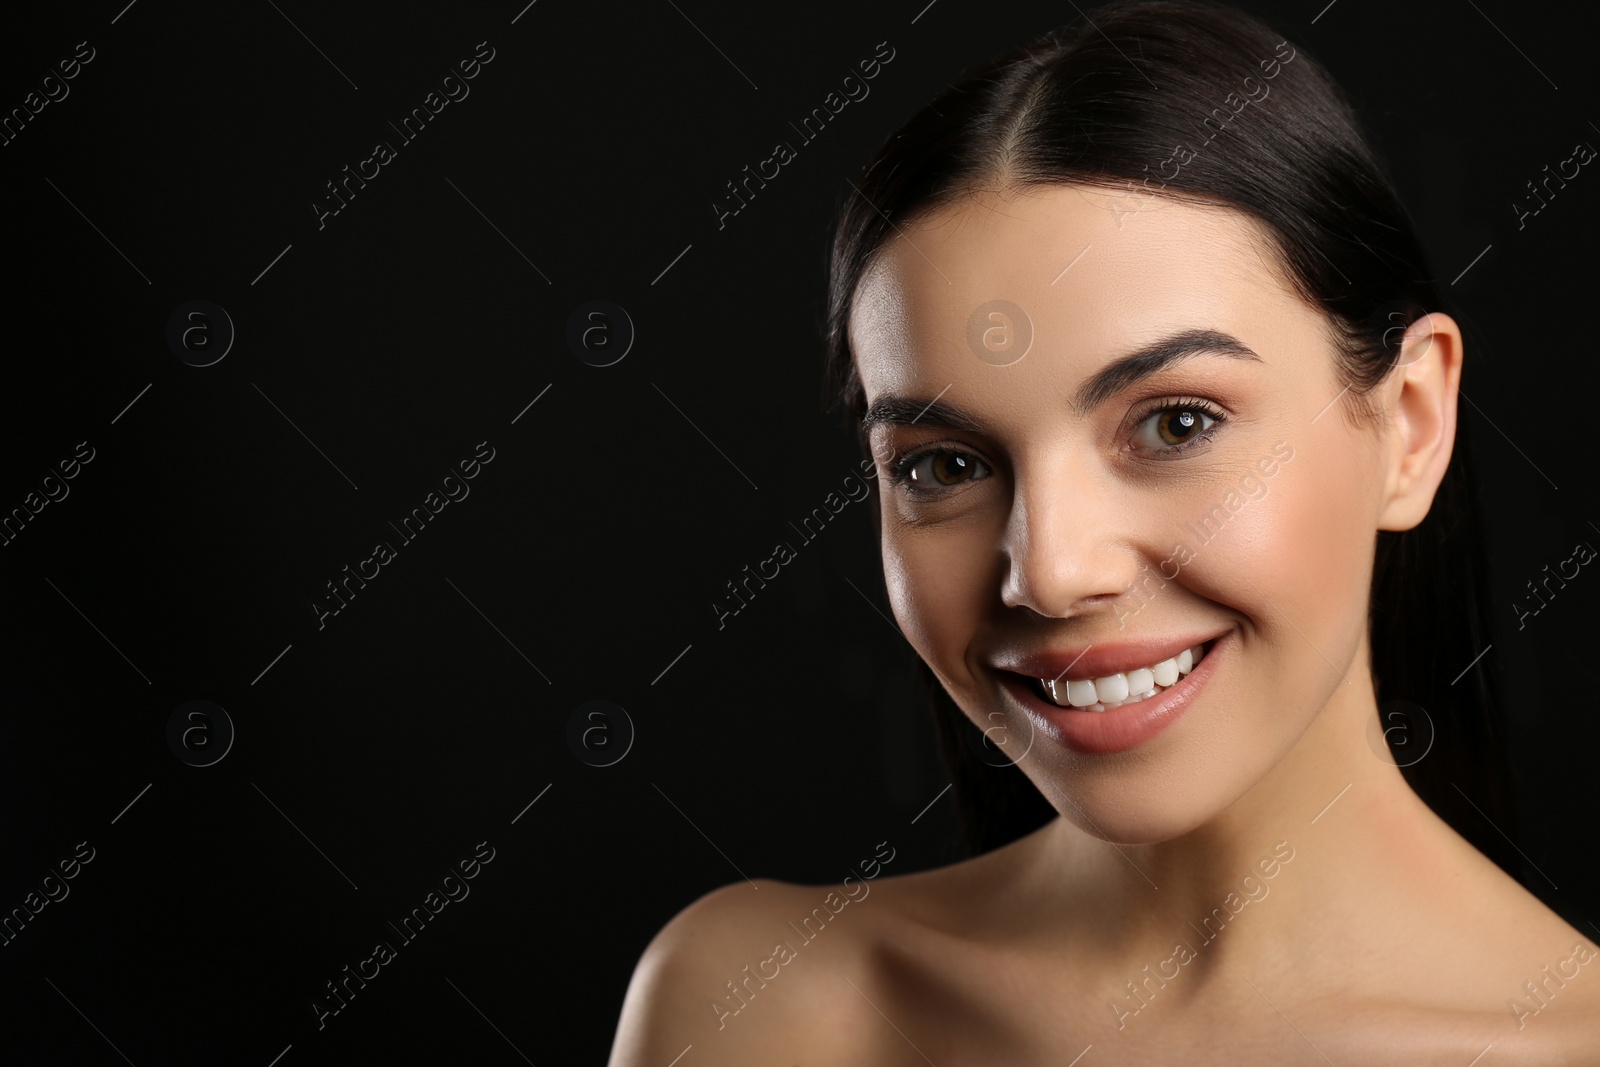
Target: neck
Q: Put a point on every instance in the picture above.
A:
(1330, 829)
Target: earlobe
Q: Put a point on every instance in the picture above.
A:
(1420, 418)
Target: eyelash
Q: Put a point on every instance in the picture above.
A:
(1182, 403)
(900, 469)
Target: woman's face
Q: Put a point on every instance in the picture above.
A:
(1050, 517)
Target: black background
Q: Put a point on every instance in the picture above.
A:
(426, 317)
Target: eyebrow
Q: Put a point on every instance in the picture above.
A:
(1105, 383)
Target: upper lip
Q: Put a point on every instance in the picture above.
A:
(1077, 663)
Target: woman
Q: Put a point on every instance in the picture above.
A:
(1163, 404)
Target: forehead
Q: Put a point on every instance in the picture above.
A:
(1085, 272)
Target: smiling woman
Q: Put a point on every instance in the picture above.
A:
(1267, 299)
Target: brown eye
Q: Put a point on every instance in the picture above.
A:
(1175, 426)
(941, 470)
(1179, 424)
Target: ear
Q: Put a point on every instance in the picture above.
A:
(1420, 419)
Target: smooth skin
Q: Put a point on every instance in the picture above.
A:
(1385, 937)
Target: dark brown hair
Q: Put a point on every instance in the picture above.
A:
(1111, 101)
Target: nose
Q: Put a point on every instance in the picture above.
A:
(1068, 545)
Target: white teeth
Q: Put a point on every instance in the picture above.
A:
(1101, 694)
(1111, 689)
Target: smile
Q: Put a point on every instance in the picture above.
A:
(1114, 704)
(1121, 687)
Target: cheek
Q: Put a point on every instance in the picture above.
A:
(1305, 544)
(938, 590)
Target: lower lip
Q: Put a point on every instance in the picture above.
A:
(1122, 727)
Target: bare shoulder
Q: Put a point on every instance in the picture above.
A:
(1553, 1014)
(1511, 974)
(754, 966)
(759, 965)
